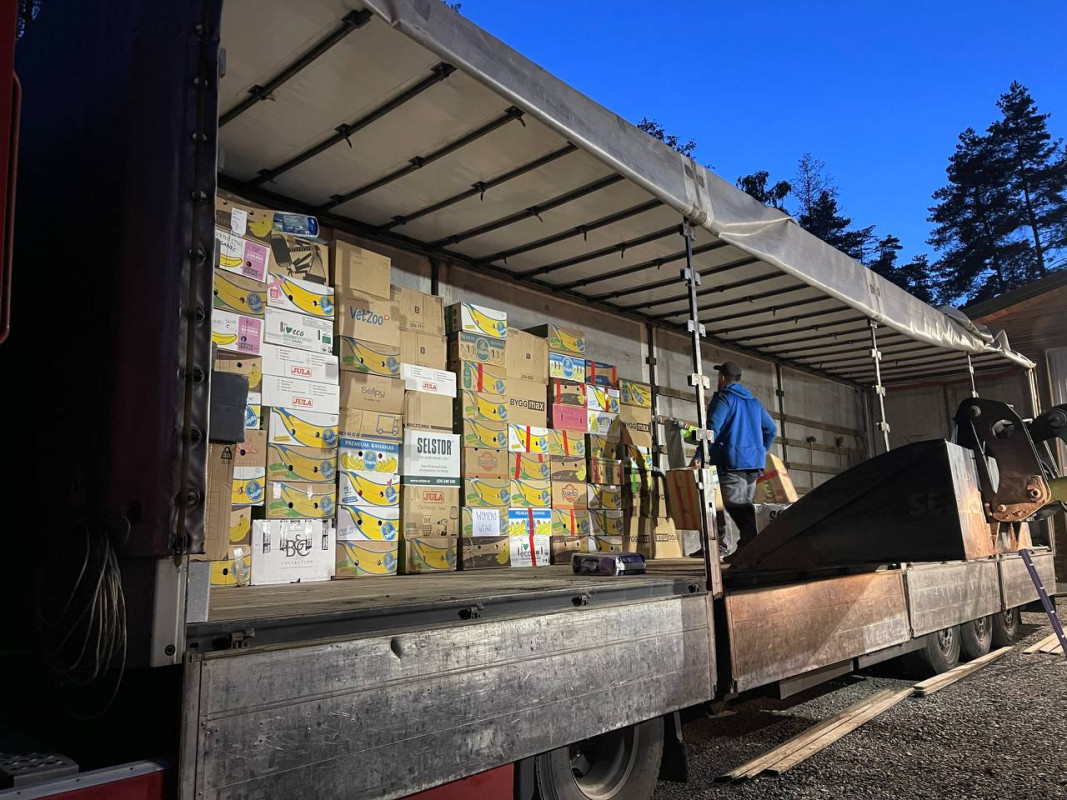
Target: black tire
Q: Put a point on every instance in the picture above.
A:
(940, 653)
(618, 765)
(1005, 627)
(976, 637)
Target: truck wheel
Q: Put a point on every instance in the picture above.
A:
(1005, 627)
(939, 653)
(618, 765)
(976, 637)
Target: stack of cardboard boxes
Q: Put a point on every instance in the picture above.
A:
(605, 465)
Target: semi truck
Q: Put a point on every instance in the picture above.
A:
(486, 179)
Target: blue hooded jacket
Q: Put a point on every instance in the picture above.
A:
(743, 429)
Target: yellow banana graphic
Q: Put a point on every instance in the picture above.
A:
(360, 357)
(478, 434)
(231, 297)
(230, 261)
(223, 339)
(299, 464)
(373, 526)
(304, 432)
(301, 500)
(366, 558)
(487, 407)
(488, 493)
(261, 226)
(531, 494)
(569, 342)
(530, 468)
(490, 327)
(607, 496)
(604, 400)
(314, 303)
(361, 489)
(427, 556)
(239, 529)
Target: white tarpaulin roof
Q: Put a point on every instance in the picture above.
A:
(411, 125)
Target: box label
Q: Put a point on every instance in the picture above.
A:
(290, 329)
(371, 392)
(236, 332)
(568, 367)
(523, 522)
(467, 346)
(303, 365)
(286, 551)
(481, 462)
(485, 522)
(431, 381)
(319, 398)
(531, 551)
(430, 458)
(239, 255)
(368, 455)
(569, 418)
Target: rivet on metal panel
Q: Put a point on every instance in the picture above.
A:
(471, 612)
(196, 375)
(199, 315)
(581, 599)
(196, 435)
(192, 498)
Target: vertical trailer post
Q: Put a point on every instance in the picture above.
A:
(879, 389)
(699, 382)
(779, 391)
(435, 277)
(970, 372)
(650, 341)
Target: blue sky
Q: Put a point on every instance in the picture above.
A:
(877, 90)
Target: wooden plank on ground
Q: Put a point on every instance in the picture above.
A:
(962, 671)
(1053, 646)
(1036, 647)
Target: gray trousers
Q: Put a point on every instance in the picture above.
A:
(738, 496)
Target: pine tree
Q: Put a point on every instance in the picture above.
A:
(915, 277)
(823, 218)
(756, 186)
(810, 182)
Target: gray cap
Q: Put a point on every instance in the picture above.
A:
(729, 369)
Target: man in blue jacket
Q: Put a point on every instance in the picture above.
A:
(744, 432)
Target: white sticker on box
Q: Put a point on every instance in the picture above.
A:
(277, 491)
(485, 521)
(238, 221)
(232, 245)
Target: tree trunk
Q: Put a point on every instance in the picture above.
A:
(1032, 219)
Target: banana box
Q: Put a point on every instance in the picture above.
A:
(484, 552)
(242, 256)
(635, 393)
(289, 329)
(487, 492)
(423, 349)
(603, 398)
(238, 294)
(254, 412)
(561, 339)
(523, 522)
(568, 393)
(298, 427)
(318, 398)
(606, 522)
(607, 544)
(249, 485)
(482, 406)
(563, 547)
(368, 489)
(481, 462)
(356, 423)
(597, 373)
(601, 423)
(292, 551)
(531, 494)
(469, 318)
(235, 569)
(566, 443)
(477, 347)
(352, 267)
(530, 551)
(604, 496)
(241, 526)
(252, 452)
(602, 446)
(368, 455)
(419, 312)
(478, 377)
(302, 297)
(304, 365)
(571, 522)
(489, 435)
(368, 357)
(297, 463)
(527, 357)
(236, 333)
(297, 257)
(528, 439)
(430, 459)
(380, 523)
(566, 366)
(565, 468)
(429, 510)
(570, 418)
(569, 495)
(638, 458)
(605, 470)
(483, 522)
(252, 222)
(428, 381)
(249, 366)
(529, 466)
(356, 559)
(301, 500)
(419, 554)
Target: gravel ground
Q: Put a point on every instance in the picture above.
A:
(1001, 733)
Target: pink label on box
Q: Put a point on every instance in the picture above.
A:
(569, 418)
(255, 261)
(249, 335)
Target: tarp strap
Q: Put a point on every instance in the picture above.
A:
(879, 389)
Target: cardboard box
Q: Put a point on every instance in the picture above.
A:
(604, 496)
(635, 393)
(530, 439)
(419, 554)
(526, 403)
(638, 458)
(423, 349)
(430, 381)
(369, 357)
(571, 522)
(466, 346)
(606, 522)
(371, 393)
(530, 551)
(531, 494)
(242, 256)
(598, 373)
(483, 523)
(602, 423)
(602, 398)
(356, 559)
(297, 499)
(490, 435)
(254, 412)
(429, 510)
(570, 495)
(484, 552)
(481, 462)
(236, 333)
(607, 544)
(292, 550)
(306, 365)
(652, 538)
(359, 454)
(479, 377)
(218, 510)
(527, 357)
(563, 340)
(419, 312)
(297, 257)
(301, 297)
(352, 267)
(227, 407)
(469, 318)
(605, 470)
(235, 569)
(567, 468)
(238, 294)
(368, 489)
(237, 364)
(288, 463)
(237, 217)
(525, 522)
(356, 423)
(569, 418)
(318, 398)
(430, 459)
(298, 427)
(487, 492)
(775, 485)
(566, 443)
(482, 406)
(248, 487)
(252, 452)
(289, 329)
(602, 446)
(430, 412)
(563, 547)
(567, 367)
(568, 393)
(529, 466)
(638, 424)
(683, 495)
(379, 523)
(367, 318)
(241, 525)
